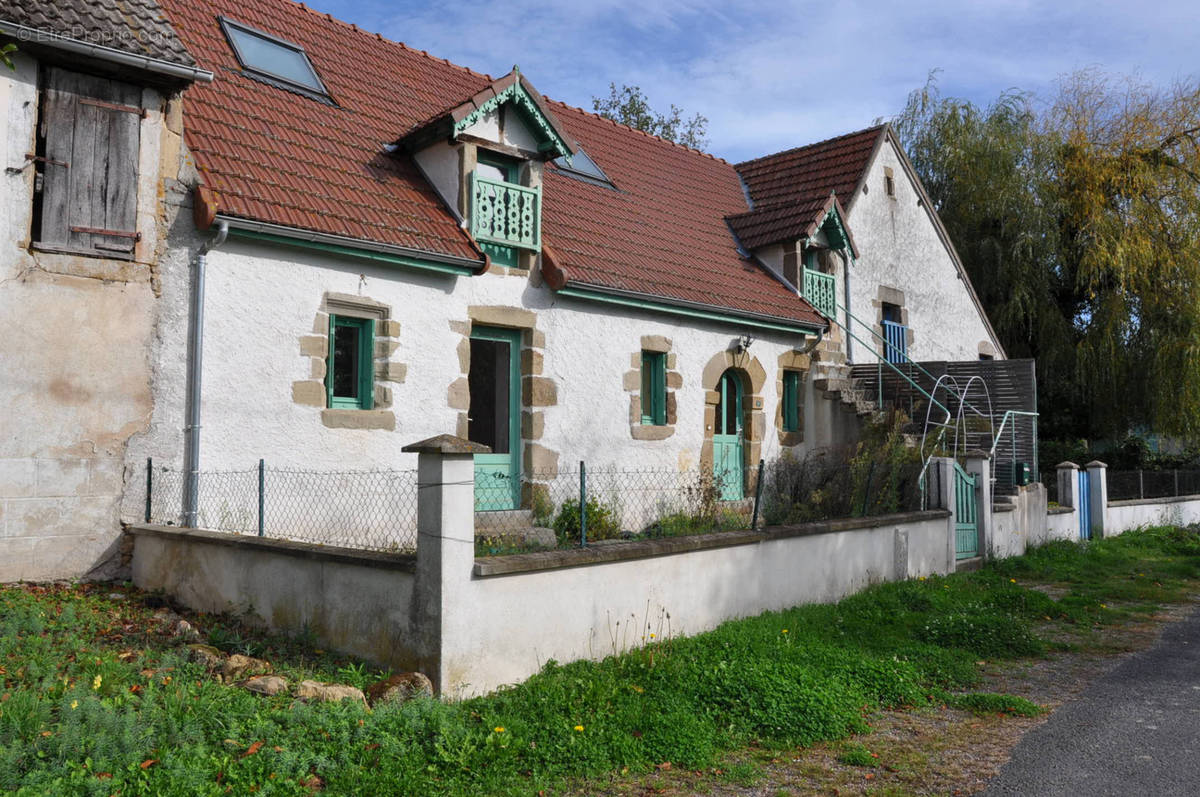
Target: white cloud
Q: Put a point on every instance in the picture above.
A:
(772, 75)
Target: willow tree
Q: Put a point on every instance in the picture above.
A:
(1079, 223)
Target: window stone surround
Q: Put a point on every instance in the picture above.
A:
(315, 346)
(791, 361)
(895, 297)
(632, 383)
(538, 391)
(754, 423)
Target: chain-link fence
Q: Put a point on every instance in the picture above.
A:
(820, 488)
(375, 510)
(579, 506)
(1126, 485)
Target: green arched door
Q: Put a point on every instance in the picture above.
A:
(728, 438)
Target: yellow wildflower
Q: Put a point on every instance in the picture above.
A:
(96, 682)
(499, 729)
(784, 631)
(74, 704)
(579, 728)
(1013, 580)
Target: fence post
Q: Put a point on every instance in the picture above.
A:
(944, 495)
(1098, 486)
(582, 504)
(1141, 484)
(149, 486)
(979, 465)
(1176, 482)
(757, 496)
(441, 601)
(261, 485)
(1068, 485)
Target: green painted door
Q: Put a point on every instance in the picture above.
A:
(728, 439)
(495, 416)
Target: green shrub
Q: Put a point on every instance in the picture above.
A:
(989, 634)
(603, 521)
(858, 756)
(989, 703)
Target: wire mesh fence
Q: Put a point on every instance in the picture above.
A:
(1126, 485)
(573, 507)
(819, 488)
(373, 510)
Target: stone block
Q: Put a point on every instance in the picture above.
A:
(462, 426)
(461, 327)
(309, 393)
(318, 369)
(383, 397)
(458, 395)
(656, 343)
(321, 325)
(62, 477)
(359, 419)
(502, 317)
(650, 432)
(18, 478)
(387, 328)
(533, 425)
(674, 380)
(538, 391)
(385, 349)
(672, 361)
(392, 372)
(464, 356)
(315, 346)
(539, 459)
(632, 381)
(537, 339)
(671, 408)
(531, 362)
(635, 361)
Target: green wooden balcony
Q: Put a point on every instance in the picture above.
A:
(506, 213)
(821, 291)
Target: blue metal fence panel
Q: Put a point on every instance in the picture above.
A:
(1085, 505)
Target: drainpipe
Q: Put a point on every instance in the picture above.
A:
(812, 344)
(846, 290)
(191, 443)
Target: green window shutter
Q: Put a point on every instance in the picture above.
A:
(366, 366)
(329, 364)
(654, 388)
(791, 401)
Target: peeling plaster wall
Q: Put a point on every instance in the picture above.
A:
(76, 335)
(260, 300)
(900, 248)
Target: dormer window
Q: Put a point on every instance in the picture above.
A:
(277, 60)
(505, 215)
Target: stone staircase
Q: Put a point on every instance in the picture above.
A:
(833, 380)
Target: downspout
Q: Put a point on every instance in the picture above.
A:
(191, 442)
(846, 259)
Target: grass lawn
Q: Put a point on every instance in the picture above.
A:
(97, 698)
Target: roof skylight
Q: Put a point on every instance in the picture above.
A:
(583, 166)
(273, 58)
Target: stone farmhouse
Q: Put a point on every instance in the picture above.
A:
(236, 231)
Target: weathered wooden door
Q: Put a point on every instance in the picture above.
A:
(1085, 505)
(495, 416)
(966, 521)
(728, 439)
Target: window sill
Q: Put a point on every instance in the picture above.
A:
(359, 419)
(650, 432)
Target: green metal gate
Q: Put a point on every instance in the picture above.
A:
(966, 516)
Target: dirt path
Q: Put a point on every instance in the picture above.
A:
(928, 751)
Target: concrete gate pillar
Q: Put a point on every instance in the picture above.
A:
(1068, 484)
(1098, 495)
(445, 546)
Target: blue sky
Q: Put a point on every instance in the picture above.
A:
(774, 75)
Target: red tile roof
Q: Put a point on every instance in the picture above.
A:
(789, 187)
(276, 156)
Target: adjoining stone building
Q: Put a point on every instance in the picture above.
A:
(395, 247)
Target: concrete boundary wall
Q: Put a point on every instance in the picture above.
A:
(474, 625)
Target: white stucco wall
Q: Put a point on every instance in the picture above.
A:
(899, 248)
(75, 341)
(261, 299)
(1122, 516)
